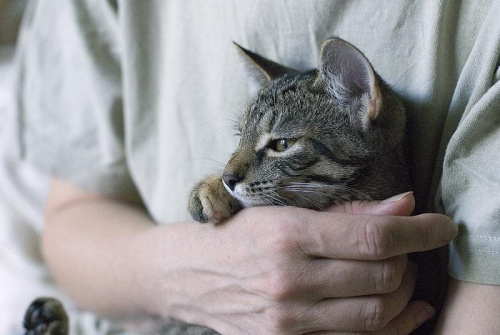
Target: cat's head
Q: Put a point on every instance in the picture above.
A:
(310, 139)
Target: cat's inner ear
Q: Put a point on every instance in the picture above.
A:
(346, 74)
(261, 71)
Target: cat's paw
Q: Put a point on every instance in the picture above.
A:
(210, 202)
(46, 316)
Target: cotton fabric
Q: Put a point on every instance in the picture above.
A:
(137, 99)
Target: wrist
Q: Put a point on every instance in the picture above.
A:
(164, 260)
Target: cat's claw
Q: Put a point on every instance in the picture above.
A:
(46, 316)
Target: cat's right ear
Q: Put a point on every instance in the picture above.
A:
(261, 71)
(346, 74)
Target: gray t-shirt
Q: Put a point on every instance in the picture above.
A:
(137, 99)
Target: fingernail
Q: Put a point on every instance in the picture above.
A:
(397, 198)
(424, 314)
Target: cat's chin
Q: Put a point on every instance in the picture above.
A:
(256, 201)
(242, 200)
(246, 201)
(249, 202)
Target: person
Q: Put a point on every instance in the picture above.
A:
(122, 103)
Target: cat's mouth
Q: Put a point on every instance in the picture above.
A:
(307, 195)
(261, 193)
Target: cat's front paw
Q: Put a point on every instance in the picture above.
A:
(210, 202)
(46, 316)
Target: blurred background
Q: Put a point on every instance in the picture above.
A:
(23, 274)
(22, 191)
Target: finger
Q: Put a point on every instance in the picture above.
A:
(373, 237)
(412, 317)
(400, 205)
(370, 313)
(342, 278)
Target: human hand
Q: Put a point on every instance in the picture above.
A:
(286, 270)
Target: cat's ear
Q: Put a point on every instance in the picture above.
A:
(346, 74)
(261, 71)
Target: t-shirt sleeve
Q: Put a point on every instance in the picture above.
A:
(67, 117)
(470, 183)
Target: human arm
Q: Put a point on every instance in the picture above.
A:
(469, 189)
(111, 258)
(470, 308)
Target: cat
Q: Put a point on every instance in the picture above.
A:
(311, 139)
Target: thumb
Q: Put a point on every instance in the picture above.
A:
(400, 205)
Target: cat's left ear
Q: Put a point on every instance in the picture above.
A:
(346, 74)
(260, 70)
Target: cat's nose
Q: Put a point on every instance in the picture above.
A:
(230, 179)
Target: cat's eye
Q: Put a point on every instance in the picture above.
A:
(281, 144)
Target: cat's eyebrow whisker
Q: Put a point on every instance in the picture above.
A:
(222, 165)
(234, 130)
(232, 109)
(218, 167)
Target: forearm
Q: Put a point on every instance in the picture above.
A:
(103, 253)
(470, 309)
(87, 245)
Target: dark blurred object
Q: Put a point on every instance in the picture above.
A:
(10, 17)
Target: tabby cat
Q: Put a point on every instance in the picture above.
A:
(311, 139)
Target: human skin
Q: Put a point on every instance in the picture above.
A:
(470, 309)
(267, 270)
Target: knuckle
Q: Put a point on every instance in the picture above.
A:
(375, 240)
(280, 320)
(280, 285)
(283, 237)
(375, 314)
(389, 275)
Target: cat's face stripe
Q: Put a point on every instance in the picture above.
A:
(326, 152)
(263, 141)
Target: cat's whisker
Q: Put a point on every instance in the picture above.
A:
(313, 204)
(299, 191)
(278, 199)
(344, 192)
